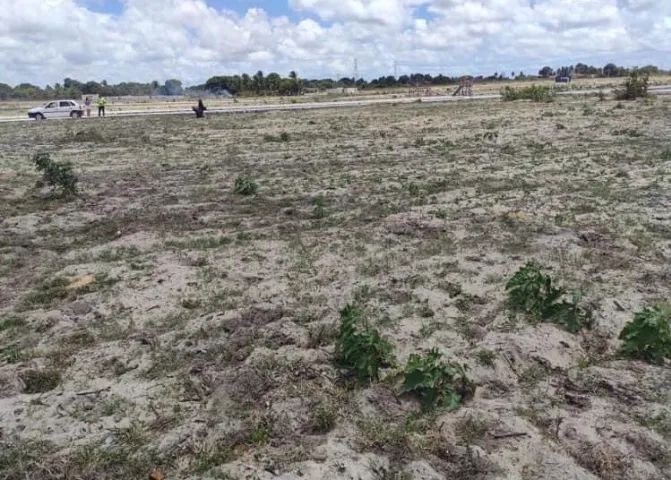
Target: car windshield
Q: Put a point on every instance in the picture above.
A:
(50, 105)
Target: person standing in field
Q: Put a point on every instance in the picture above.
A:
(102, 101)
(87, 105)
(200, 109)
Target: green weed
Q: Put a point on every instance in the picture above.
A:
(245, 185)
(56, 175)
(486, 358)
(648, 336)
(360, 348)
(533, 292)
(435, 382)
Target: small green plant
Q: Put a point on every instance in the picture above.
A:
(666, 154)
(535, 93)
(635, 87)
(245, 185)
(533, 292)
(324, 417)
(360, 348)
(486, 358)
(648, 336)
(56, 175)
(436, 383)
(282, 137)
(319, 211)
(11, 354)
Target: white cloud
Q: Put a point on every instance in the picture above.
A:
(43, 41)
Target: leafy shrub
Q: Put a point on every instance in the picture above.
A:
(359, 347)
(436, 383)
(533, 292)
(536, 93)
(245, 185)
(648, 336)
(635, 87)
(56, 175)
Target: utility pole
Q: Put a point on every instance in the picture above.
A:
(356, 70)
(395, 69)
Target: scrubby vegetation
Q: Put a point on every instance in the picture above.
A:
(533, 292)
(435, 382)
(636, 86)
(57, 175)
(648, 336)
(535, 93)
(245, 185)
(360, 349)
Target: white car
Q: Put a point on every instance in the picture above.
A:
(57, 109)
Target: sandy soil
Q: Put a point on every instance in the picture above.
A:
(161, 326)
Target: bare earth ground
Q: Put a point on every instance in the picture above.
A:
(162, 325)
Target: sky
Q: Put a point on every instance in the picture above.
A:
(44, 41)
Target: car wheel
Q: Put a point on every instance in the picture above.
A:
(75, 115)
(39, 116)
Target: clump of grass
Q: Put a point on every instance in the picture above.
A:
(59, 176)
(11, 354)
(319, 210)
(245, 185)
(40, 381)
(486, 358)
(535, 293)
(648, 336)
(11, 322)
(219, 454)
(282, 137)
(360, 348)
(61, 288)
(199, 243)
(535, 93)
(324, 417)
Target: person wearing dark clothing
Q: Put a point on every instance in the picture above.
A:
(200, 109)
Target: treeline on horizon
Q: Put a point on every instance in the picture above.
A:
(275, 84)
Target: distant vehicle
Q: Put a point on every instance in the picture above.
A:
(57, 109)
(562, 79)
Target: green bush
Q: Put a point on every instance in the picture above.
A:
(56, 175)
(245, 185)
(648, 336)
(360, 348)
(533, 292)
(436, 383)
(635, 87)
(536, 93)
